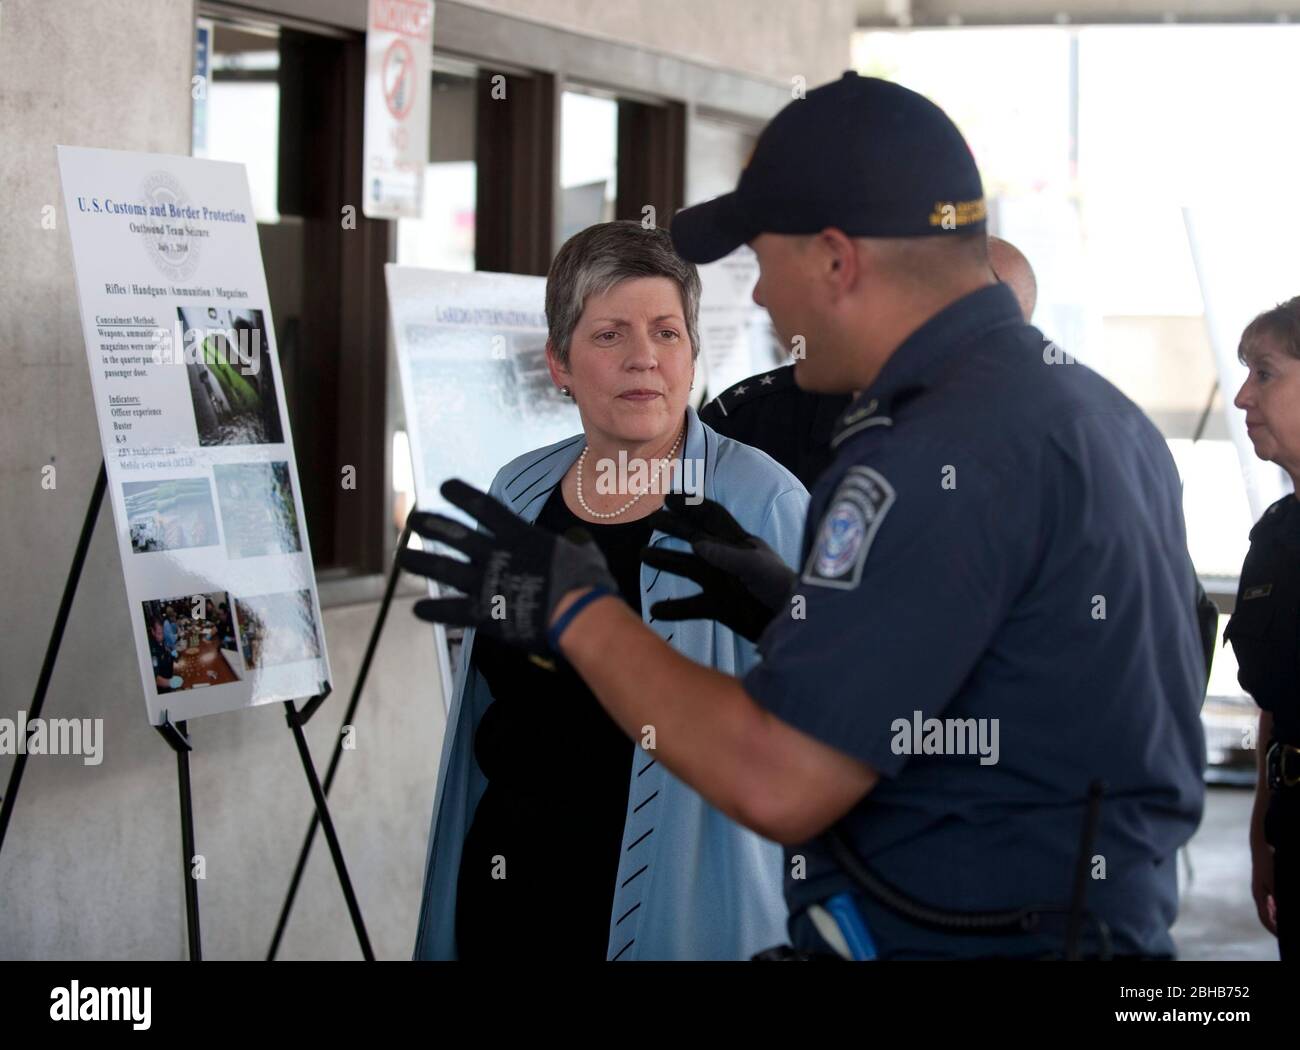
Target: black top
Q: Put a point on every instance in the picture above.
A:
(771, 413)
(1265, 626)
(1265, 635)
(558, 769)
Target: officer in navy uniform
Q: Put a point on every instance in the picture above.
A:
(994, 606)
(1265, 625)
(871, 587)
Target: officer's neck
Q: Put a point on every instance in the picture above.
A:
(889, 321)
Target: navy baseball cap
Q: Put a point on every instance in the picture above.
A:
(865, 156)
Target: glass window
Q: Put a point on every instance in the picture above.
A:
(242, 110)
(443, 237)
(588, 161)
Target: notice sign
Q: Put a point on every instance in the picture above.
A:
(201, 471)
(399, 53)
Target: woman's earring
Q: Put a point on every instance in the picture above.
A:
(566, 391)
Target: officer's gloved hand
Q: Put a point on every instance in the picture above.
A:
(516, 573)
(745, 583)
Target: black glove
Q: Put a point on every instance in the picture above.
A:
(515, 575)
(745, 583)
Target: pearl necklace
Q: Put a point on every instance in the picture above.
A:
(663, 463)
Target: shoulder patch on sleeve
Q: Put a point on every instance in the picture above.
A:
(847, 529)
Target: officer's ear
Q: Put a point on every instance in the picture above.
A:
(839, 259)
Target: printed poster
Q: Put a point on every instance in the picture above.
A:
(202, 476)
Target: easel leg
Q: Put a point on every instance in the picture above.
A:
(323, 813)
(176, 736)
(56, 640)
(394, 574)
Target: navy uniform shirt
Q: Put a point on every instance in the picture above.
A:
(769, 412)
(999, 543)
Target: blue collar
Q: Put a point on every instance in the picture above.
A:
(913, 364)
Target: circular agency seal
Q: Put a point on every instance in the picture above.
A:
(175, 254)
(841, 537)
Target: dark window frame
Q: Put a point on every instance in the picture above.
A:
(338, 399)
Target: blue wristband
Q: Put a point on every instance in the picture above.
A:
(560, 625)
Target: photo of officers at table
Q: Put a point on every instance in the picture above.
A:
(191, 642)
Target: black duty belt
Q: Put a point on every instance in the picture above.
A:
(1282, 764)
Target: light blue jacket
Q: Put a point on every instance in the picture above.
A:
(692, 884)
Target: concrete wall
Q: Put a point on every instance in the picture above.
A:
(91, 865)
(777, 39)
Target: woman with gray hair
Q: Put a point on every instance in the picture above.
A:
(552, 831)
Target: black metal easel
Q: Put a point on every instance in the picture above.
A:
(394, 573)
(179, 741)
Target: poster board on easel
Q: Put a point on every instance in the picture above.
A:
(471, 355)
(201, 471)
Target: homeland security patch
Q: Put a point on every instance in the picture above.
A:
(847, 529)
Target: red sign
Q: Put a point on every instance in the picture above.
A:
(408, 17)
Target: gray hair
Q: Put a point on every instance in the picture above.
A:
(595, 260)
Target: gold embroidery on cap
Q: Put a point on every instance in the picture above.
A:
(954, 214)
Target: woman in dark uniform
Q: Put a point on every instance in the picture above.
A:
(1265, 626)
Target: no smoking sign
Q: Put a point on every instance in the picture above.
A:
(399, 56)
(399, 78)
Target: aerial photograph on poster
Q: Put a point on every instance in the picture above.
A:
(277, 628)
(170, 515)
(257, 509)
